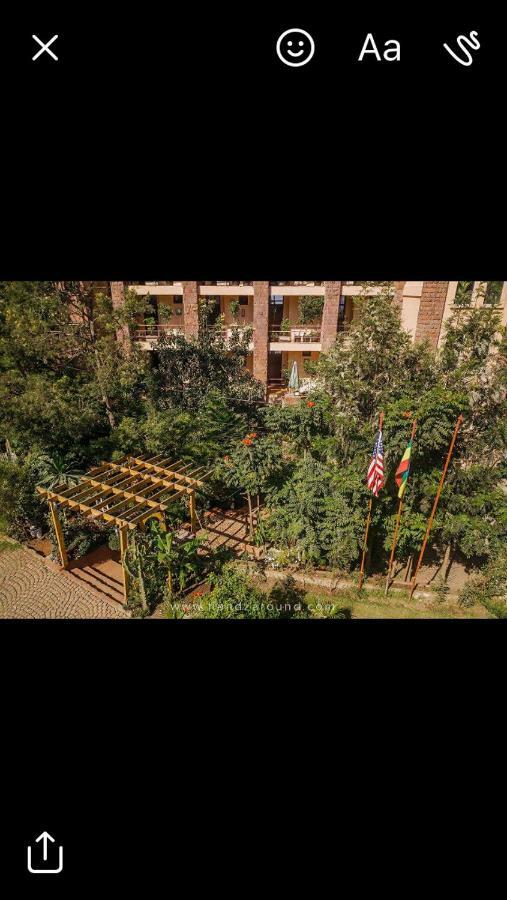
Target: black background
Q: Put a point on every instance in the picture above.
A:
(175, 145)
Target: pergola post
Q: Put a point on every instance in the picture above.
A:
(123, 552)
(193, 516)
(60, 540)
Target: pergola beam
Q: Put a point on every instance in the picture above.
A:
(126, 493)
(60, 540)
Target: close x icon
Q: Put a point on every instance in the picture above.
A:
(45, 48)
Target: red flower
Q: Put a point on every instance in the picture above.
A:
(252, 435)
(247, 441)
(310, 403)
(227, 458)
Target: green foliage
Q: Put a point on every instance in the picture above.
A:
(310, 309)
(189, 370)
(65, 379)
(489, 588)
(316, 516)
(180, 560)
(470, 336)
(302, 426)
(234, 308)
(8, 546)
(441, 589)
(59, 471)
(252, 463)
(81, 534)
(146, 583)
(162, 567)
(234, 597)
(317, 513)
(375, 362)
(22, 508)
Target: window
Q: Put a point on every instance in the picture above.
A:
(243, 301)
(464, 293)
(177, 299)
(493, 293)
(307, 353)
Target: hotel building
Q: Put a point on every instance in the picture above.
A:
(272, 310)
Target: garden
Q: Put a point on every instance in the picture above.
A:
(74, 392)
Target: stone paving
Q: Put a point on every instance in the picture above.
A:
(30, 590)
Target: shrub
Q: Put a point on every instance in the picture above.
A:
(233, 596)
(81, 535)
(489, 588)
(21, 506)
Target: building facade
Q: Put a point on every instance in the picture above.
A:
(275, 312)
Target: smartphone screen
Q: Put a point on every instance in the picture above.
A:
(253, 318)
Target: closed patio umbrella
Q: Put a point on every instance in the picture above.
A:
(294, 378)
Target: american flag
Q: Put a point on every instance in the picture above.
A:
(375, 478)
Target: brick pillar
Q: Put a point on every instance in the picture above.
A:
(431, 311)
(261, 331)
(191, 308)
(332, 294)
(118, 299)
(399, 287)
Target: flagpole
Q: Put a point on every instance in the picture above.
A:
(368, 520)
(397, 524)
(393, 548)
(365, 543)
(435, 503)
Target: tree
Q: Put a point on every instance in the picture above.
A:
(251, 465)
(190, 369)
(114, 368)
(64, 378)
(375, 361)
(301, 428)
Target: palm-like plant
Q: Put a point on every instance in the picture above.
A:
(58, 470)
(180, 560)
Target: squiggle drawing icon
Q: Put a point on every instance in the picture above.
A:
(471, 41)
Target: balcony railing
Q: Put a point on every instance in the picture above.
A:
(297, 334)
(228, 332)
(153, 333)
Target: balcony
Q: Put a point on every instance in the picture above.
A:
(227, 332)
(148, 336)
(297, 337)
(297, 289)
(226, 289)
(158, 288)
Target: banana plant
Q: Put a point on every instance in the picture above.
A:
(180, 560)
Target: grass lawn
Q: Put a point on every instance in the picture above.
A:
(5, 542)
(373, 604)
(6, 545)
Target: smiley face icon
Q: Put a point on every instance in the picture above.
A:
(295, 47)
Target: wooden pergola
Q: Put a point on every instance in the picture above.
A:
(126, 493)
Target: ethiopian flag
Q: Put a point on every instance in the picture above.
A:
(403, 470)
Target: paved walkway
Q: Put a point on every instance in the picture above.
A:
(30, 590)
